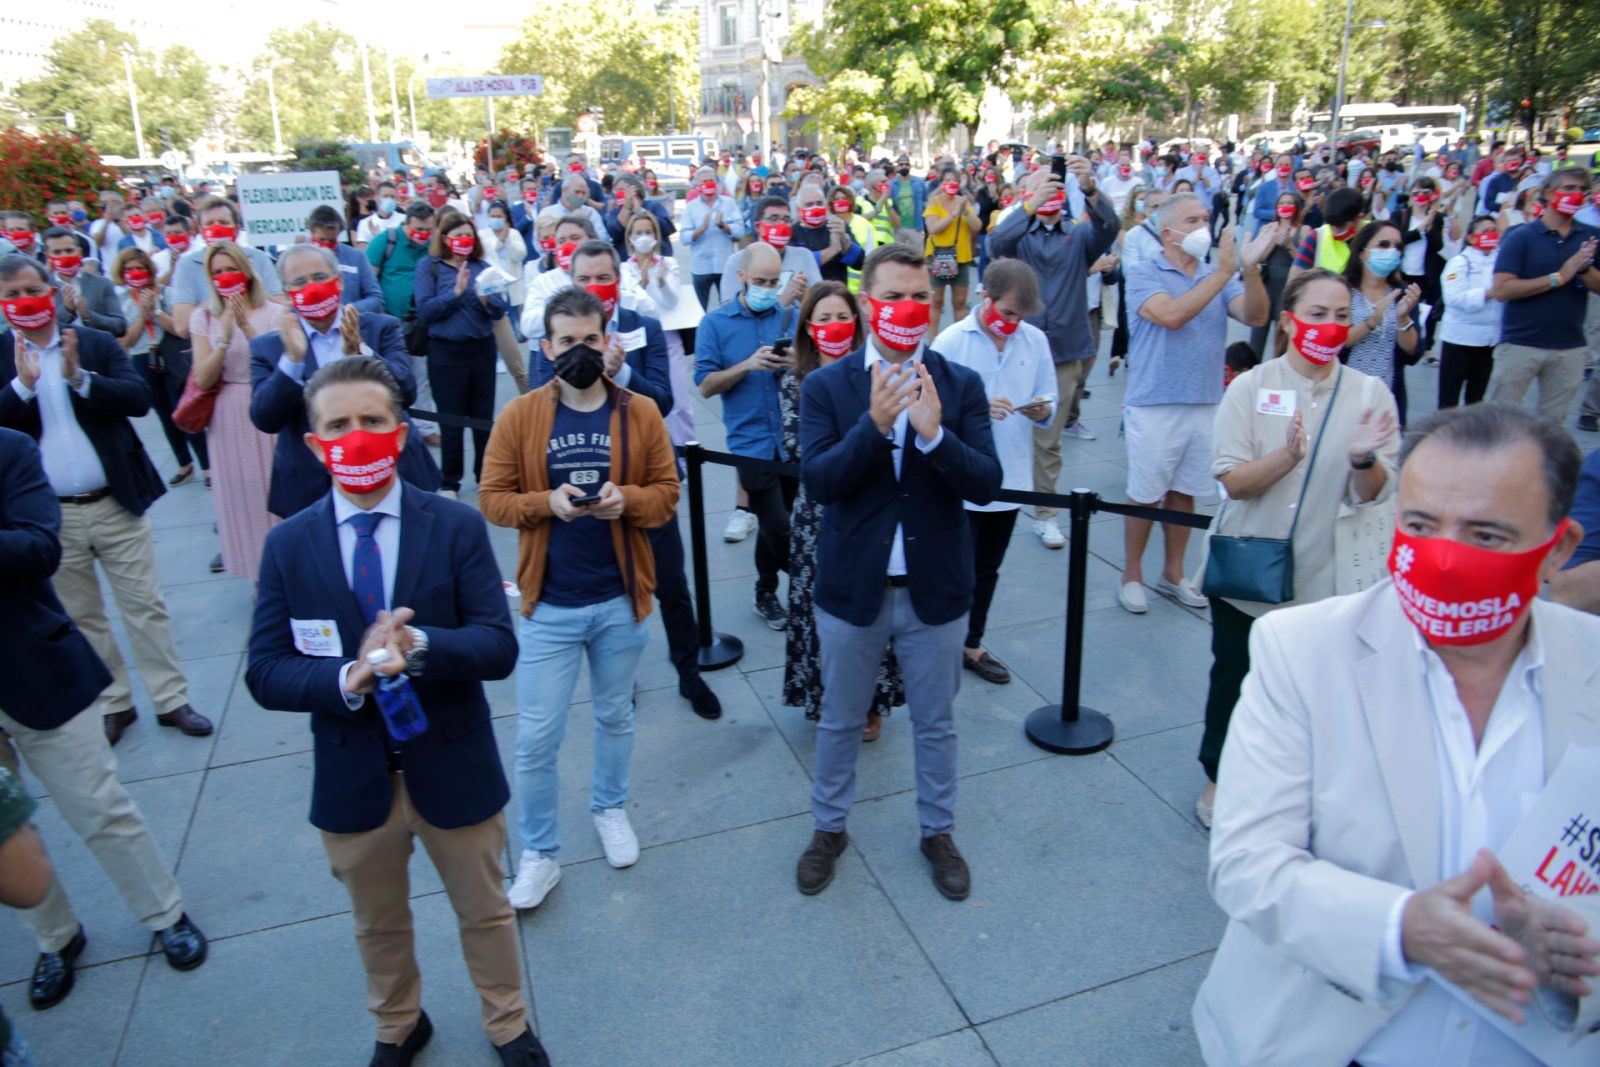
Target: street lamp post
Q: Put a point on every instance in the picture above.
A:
(133, 104)
(372, 112)
(272, 101)
(1344, 55)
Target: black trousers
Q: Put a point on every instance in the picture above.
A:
(771, 502)
(462, 376)
(166, 389)
(1230, 662)
(991, 536)
(1463, 365)
(705, 286)
(672, 593)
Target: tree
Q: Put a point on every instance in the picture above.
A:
(316, 77)
(49, 166)
(629, 63)
(1551, 52)
(850, 108)
(1103, 72)
(85, 75)
(330, 155)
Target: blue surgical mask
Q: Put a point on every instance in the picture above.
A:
(1161, 172)
(1383, 261)
(79, 215)
(759, 298)
(387, 205)
(497, 223)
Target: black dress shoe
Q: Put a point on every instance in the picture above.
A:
(987, 667)
(950, 872)
(53, 973)
(525, 1051)
(184, 944)
(817, 861)
(188, 720)
(216, 564)
(401, 1055)
(694, 689)
(117, 723)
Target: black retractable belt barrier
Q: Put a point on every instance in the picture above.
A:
(716, 650)
(451, 420)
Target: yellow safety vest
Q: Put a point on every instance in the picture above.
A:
(1332, 253)
(868, 235)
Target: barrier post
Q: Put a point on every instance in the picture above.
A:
(1068, 727)
(716, 650)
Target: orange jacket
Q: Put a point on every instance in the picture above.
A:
(515, 487)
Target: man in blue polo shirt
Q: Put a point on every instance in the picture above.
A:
(1543, 275)
(734, 357)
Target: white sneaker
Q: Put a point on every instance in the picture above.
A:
(1080, 431)
(537, 874)
(1132, 598)
(448, 494)
(1183, 591)
(741, 524)
(500, 366)
(616, 837)
(1049, 533)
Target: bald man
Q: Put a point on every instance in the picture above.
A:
(734, 359)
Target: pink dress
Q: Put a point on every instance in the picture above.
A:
(241, 455)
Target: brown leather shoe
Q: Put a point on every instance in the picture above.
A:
(117, 722)
(874, 727)
(987, 667)
(817, 861)
(188, 720)
(950, 872)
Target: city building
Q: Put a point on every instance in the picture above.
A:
(731, 49)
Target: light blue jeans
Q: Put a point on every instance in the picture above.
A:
(553, 642)
(16, 1053)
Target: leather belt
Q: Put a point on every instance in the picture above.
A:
(896, 581)
(86, 498)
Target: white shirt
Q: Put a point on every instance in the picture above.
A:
(374, 224)
(325, 348)
(1413, 257)
(1020, 373)
(1471, 317)
(1484, 791)
(387, 534)
(897, 553)
(70, 461)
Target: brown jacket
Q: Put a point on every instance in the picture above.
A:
(515, 487)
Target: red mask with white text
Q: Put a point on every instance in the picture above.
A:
(66, 266)
(1568, 203)
(1283, 172)
(998, 322)
(418, 237)
(1052, 206)
(900, 325)
(1459, 594)
(219, 233)
(833, 339)
(438, 197)
(230, 283)
(576, 168)
(323, 242)
(462, 245)
(951, 188)
(1535, 210)
(1287, 211)
(178, 242)
(1319, 342)
(607, 295)
(564, 255)
(136, 223)
(776, 234)
(362, 461)
(1348, 232)
(23, 239)
(708, 190)
(1487, 241)
(755, 188)
(842, 207)
(136, 278)
(815, 215)
(1123, 170)
(61, 220)
(547, 243)
(1305, 185)
(30, 312)
(317, 300)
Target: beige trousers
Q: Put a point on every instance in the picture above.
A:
(373, 867)
(120, 541)
(1559, 372)
(75, 764)
(1070, 377)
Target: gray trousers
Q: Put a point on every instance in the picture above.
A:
(930, 661)
(1591, 332)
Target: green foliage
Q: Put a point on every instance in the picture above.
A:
(849, 108)
(622, 60)
(1105, 70)
(1541, 51)
(51, 166)
(85, 75)
(329, 155)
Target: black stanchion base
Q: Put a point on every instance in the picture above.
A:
(1091, 733)
(724, 651)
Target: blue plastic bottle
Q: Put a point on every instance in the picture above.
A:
(402, 711)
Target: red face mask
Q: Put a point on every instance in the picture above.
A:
(491, 193)
(814, 216)
(1123, 170)
(1422, 199)
(997, 322)
(321, 242)
(230, 283)
(1535, 210)
(1487, 241)
(1198, 161)
(607, 295)
(833, 339)
(653, 184)
(1348, 232)
(755, 188)
(708, 190)
(463, 245)
(30, 312)
(576, 168)
(437, 197)
(547, 243)
(1319, 342)
(317, 300)
(842, 207)
(900, 325)
(1366, 181)
(362, 461)
(531, 196)
(776, 234)
(1460, 594)
(1513, 165)
(1568, 203)
(23, 239)
(951, 188)
(135, 223)
(1305, 184)
(1287, 211)
(1453, 175)
(1052, 206)
(219, 233)
(564, 255)
(418, 237)
(66, 266)
(178, 242)
(1283, 172)
(882, 189)
(136, 278)
(61, 220)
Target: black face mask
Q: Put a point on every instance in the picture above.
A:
(905, 172)
(580, 366)
(1391, 167)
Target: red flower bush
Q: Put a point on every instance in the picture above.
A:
(49, 166)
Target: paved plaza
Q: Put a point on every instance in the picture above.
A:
(1086, 935)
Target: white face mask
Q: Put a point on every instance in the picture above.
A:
(1197, 242)
(642, 243)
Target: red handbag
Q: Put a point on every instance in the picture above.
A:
(193, 413)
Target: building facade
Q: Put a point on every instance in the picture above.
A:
(731, 49)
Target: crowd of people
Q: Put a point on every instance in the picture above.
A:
(876, 439)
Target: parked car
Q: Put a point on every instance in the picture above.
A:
(1437, 138)
(1348, 143)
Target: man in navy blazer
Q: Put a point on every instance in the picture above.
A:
(52, 676)
(381, 564)
(279, 370)
(360, 280)
(893, 439)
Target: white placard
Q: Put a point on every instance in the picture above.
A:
(486, 85)
(276, 205)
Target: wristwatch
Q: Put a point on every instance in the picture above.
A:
(417, 656)
(1555, 279)
(1367, 463)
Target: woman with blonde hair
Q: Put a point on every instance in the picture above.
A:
(235, 312)
(160, 356)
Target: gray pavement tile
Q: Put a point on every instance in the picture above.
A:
(733, 612)
(295, 996)
(85, 1029)
(1077, 869)
(183, 553)
(1119, 654)
(1033, 582)
(961, 1049)
(1167, 764)
(741, 969)
(114, 932)
(252, 733)
(150, 750)
(210, 618)
(1136, 1022)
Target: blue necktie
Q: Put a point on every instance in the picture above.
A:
(366, 566)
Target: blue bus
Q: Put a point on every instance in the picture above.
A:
(673, 158)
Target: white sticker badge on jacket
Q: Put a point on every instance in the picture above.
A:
(316, 637)
(1275, 402)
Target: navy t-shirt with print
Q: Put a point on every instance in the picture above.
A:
(581, 567)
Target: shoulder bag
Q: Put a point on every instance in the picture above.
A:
(195, 406)
(1261, 569)
(412, 328)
